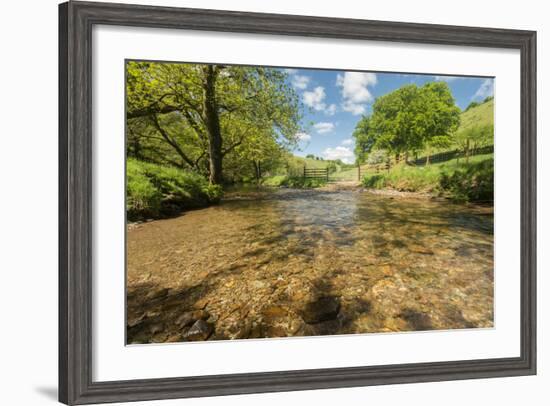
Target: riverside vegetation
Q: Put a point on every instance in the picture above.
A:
(465, 178)
(244, 246)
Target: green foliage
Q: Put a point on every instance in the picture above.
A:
(377, 157)
(214, 193)
(254, 116)
(156, 191)
(365, 139)
(299, 182)
(462, 182)
(142, 197)
(296, 182)
(408, 119)
(405, 178)
(275, 181)
(470, 183)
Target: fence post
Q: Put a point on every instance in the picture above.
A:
(304, 171)
(326, 169)
(359, 172)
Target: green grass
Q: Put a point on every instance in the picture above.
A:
(154, 191)
(479, 116)
(345, 174)
(296, 163)
(312, 163)
(275, 181)
(295, 182)
(472, 181)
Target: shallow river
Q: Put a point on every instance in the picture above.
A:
(277, 263)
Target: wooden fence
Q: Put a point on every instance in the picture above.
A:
(448, 155)
(435, 158)
(361, 170)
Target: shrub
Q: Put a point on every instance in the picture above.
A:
(275, 180)
(142, 197)
(213, 192)
(471, 183)
(374, 181)
(405, 178)
(300, 182)
(156, 191)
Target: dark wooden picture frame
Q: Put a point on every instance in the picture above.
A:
(76, 20)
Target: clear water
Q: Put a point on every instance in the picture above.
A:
(283, 262)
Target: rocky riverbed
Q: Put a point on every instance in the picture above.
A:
(282, 263)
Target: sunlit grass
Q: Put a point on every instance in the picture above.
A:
(461, 181)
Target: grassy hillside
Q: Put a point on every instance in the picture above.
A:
(481, 115)
(311, 163)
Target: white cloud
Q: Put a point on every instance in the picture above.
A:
(355, 91)
(339, 152)
(485, 90)
(315, 98)
(347, 141)
(353, 108)
(323, 127)
(291, 71)
(304, 137)
(300, 81)
(331, 110)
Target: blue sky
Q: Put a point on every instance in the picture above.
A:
(335, 101)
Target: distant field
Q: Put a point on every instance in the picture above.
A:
(345, 174)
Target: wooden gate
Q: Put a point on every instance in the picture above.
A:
(316, 173)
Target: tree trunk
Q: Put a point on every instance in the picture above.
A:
(257, 171)
(212, 121)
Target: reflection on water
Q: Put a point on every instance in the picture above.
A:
(278, 263)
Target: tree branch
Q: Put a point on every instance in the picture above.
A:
(150, 111)
(232, 147)
(171, 141)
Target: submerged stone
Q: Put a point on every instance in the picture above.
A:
(199, 331)
(188, 318)
(323, 309)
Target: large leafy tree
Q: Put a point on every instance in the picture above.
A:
(196, 115)
(409, 119)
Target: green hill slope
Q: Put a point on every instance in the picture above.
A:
(481, 115)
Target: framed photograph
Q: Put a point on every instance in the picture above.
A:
(259, 202)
